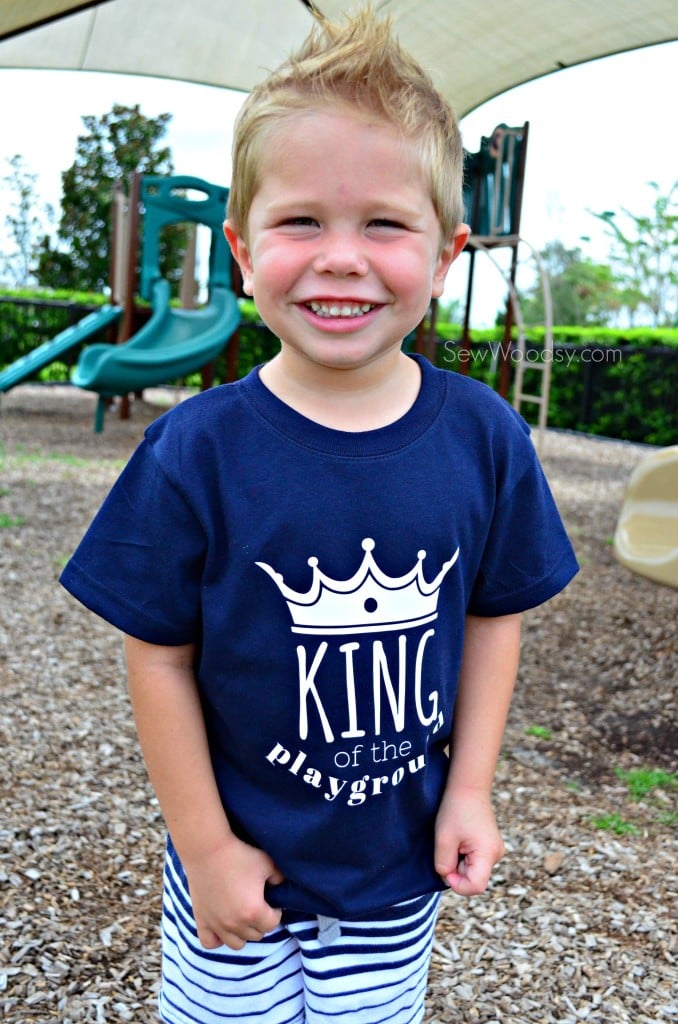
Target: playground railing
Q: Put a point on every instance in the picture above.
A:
(25, 323)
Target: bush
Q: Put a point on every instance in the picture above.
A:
(29, 318)
(610, 382)
(621, 384)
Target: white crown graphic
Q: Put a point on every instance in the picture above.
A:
(368, 602)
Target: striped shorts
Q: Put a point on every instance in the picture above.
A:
(307, 970)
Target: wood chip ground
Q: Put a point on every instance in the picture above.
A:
(579, 923)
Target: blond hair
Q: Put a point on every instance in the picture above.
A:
(360, 63)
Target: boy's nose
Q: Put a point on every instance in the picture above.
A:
(341, 255)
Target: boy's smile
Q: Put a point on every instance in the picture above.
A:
(342, 251)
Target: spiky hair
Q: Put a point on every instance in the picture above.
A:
(357, 63)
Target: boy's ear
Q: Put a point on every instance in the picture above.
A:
(448, 255)
(241, 254)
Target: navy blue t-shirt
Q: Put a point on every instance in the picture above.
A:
(324, 577)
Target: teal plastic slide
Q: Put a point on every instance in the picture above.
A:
(174, 342)
(47, 353)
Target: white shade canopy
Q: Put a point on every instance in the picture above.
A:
(475, 49)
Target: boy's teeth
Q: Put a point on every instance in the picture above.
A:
(346, 309)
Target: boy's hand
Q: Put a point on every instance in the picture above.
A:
(227, 893)
(467, 841)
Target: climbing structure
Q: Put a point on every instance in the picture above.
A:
(174, 341)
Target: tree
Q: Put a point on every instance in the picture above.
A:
(23, 224)
(582, 292)
(451, 310)
(112, 148)
(646, 255)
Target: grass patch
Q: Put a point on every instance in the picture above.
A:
(22, 457)
(540, 731)
(642, 781)
(614, 823)
(33, 457)
(8, 522)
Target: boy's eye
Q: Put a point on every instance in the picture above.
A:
(384, 222)
(302, 222)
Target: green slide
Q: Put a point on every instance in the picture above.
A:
(173, 343)
(47, 353)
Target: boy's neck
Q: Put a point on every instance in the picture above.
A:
(351, 400)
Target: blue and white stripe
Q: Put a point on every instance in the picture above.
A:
(375, 972)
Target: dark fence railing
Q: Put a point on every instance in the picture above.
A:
(623, 391)
(27, 323)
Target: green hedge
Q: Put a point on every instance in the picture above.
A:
(29, 318)
(614, 383)
(256, 343)
(617, 336)
(627, 387)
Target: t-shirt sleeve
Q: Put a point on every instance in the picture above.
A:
(139, 566)
(528, 557)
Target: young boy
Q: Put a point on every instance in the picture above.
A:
(320, 571)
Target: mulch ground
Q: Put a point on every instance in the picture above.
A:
(579, 922)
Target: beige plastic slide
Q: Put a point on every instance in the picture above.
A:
(646, 538)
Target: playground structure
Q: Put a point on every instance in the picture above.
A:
(493, 194)
(24, 367)
(174, 341)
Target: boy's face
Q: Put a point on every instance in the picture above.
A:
(343, 250)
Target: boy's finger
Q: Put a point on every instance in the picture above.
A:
(271, 919)
(470, 879)
(448, 859)
(208, 939)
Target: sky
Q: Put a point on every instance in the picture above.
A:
(598, 134)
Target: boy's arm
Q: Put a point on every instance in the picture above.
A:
(226, 876)
(468, 843)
